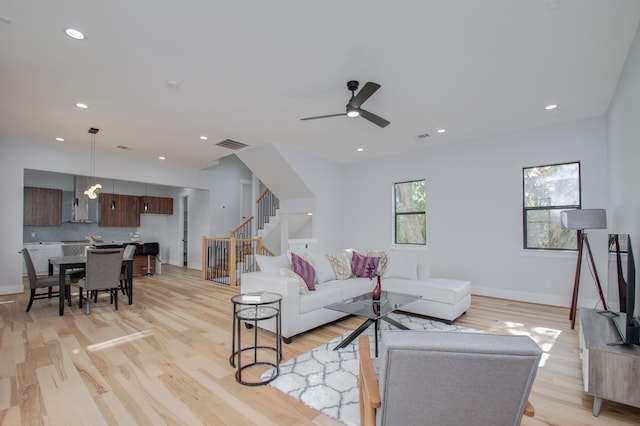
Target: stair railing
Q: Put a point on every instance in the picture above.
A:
(266, 205)
(242, 231)
(224, 260)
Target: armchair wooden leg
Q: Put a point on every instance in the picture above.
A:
(529, 410)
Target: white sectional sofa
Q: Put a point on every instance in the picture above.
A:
(303, 310)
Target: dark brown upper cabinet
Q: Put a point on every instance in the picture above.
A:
(42, 207)
(156, 205)
(119, 210)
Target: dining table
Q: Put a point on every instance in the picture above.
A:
(65, 263)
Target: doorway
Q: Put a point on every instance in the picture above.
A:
(246, 202)
(185, 231)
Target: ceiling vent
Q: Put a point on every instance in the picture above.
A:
(231, 144)
(422, 136)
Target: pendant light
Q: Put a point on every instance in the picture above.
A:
(92, 192)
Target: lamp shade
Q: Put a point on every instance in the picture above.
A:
(584, 219)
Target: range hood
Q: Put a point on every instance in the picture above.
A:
(81, 201)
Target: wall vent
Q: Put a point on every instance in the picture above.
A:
(231, 144)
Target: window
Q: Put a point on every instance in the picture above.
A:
(410, 213)
(547, 190)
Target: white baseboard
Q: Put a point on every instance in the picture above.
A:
(12, 289)
(543, 299)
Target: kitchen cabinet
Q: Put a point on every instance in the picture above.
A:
(119, 210)
(156, 205)
(42, 207)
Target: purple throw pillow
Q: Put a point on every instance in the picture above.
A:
(363, 266)
(305, 270)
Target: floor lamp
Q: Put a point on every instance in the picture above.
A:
(580, 220)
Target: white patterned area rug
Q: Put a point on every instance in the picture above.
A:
(327, 380)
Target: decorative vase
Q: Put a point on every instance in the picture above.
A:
(377, 290)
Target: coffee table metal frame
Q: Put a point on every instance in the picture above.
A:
(257, 307)
(374, 311)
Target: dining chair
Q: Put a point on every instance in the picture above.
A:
(127, 254)
(447, 378)
(47, 282)
(74, 250)
(102, 273)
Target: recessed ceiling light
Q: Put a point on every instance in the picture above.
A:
(81, 105)
(309, 214)
(204, 138)
(162, 158)
(360, 149)
(60, 139)
(441, 130)
(73, 33)
(550, 107)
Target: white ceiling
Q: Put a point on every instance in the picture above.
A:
(249, 70)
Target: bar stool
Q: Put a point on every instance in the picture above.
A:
(150, 249)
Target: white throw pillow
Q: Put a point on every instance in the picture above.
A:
(402, 265)
(302, 286)
(382, 263)
(271, 264)
(323, 267)
(341, 263)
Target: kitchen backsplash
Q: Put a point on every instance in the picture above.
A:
(75, 232)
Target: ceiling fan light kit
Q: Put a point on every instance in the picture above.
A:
(353, 106)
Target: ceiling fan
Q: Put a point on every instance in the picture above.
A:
(353, 107)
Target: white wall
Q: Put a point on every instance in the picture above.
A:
(223, 181)
(624, 154)
(474, 209)
(325, 180)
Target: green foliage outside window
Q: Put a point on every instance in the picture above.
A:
(410, 213)
(547, 190)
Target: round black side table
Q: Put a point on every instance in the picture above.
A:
(252, 308)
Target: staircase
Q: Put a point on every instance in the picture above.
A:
(225, 259)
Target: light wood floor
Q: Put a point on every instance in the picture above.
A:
(164, 360)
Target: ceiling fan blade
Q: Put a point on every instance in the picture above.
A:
(324, 116)
(364, 94)
(375, 119)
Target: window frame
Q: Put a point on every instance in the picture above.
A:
(411, 213)
(526, 209)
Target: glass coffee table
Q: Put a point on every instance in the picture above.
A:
(374, 311)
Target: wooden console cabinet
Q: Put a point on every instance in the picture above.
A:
(609, 371)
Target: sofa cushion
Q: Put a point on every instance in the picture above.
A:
(434, 289)
(341, 263)
(305, 270)
(364, 266)
(271, 264)
(289, 273)
(356, 287)
(323, 267)
(402, 265)
(323, 296)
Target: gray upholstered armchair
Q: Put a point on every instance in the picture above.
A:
(442, 378)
